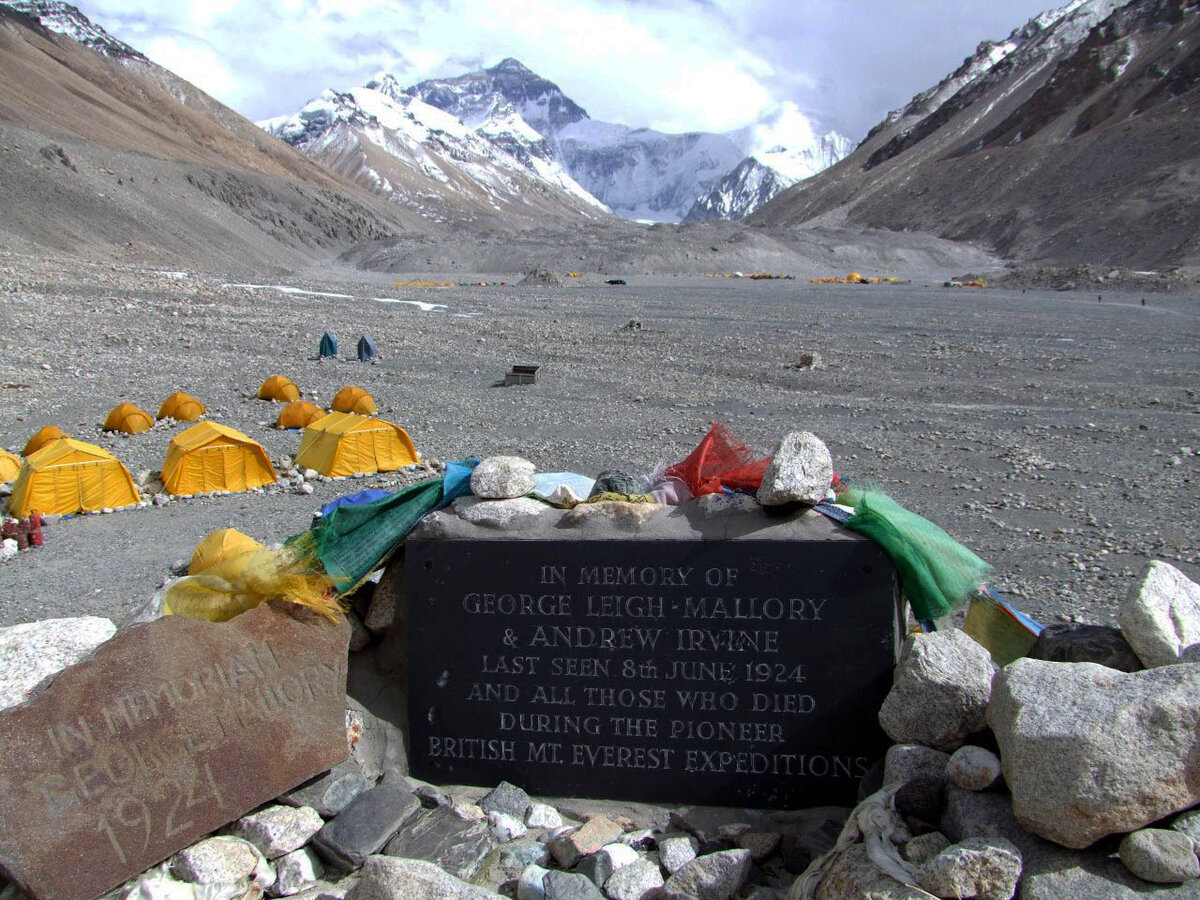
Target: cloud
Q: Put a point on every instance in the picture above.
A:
(671, 64)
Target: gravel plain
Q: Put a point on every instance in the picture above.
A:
(1055, 433)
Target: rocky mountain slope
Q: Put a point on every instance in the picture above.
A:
(105, 154)
(638, 172)
(1075, 140)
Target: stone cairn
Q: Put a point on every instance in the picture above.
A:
(1066, 774)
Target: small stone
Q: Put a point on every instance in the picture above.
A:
(619, 855)
(296, 871)
(32, 652)
(712, 506)
(499, 514)
(920, 798)
(277, 830)
(1077, 642)
(940, 692)
(677, 851)
(215, 860)
(1161, 616)
(540, 815)
(633, 881)
(309, 474)
(363, 827)
(984, 868)
(596, 867)
(612, 481)
(503, 477)
(505, 828)
(1160, 855)
(906, 761)
(925, 847)
(506, 798)
(564, 886)
(388, 878)
(716, 876)
(973, 768)
(761, 844)
(508, 861)
(800, 471)
(1189, 823)
(587, 838)
(332, 792)
(529, 885)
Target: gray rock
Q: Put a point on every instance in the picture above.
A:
(215, 860)
(676, 851)
(940, 690)
(381, 614)
(508, 861)
(854, 877)
(565, 886)
(985, 868)
(596, 867)
(906, 761)
(380, 747)
(973, 768)
(619, 855)
(712, 506)
(388, 878)
(32, 652)
(925, 847)
(587, 838)
(633, 881)
(761, 844)
(441, 836)
(716, 876)
(365, 826)
(504, 827)
(616, 482)
(503, 477)
(1060, 724)
(332, 792)
(1160, 855)
(1189, 823)
(800, 471)
(539, 815)
(607, 515)
(1161, 616)
(531, 884)
(499, 514)
(1077, 642)
(295, 872)
(506, 798)
(277, 830)
(920, 798)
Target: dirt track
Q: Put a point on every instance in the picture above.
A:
(1053, 433)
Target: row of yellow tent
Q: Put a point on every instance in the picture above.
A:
(68, 475)
(857, 278)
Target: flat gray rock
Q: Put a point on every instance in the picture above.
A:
(1161, 616)
(503, 477)
(567, 886)
(854, 877)
(365, 826)
(715, 876)
(984, 868)
(440, 836)
(332, 792)
(388, 878)
(278, 829)
(800, 471)
(1160, 856)
(940, 690)
(1089, 751)
(1079, 642)
(499, 514)
(34, 651)
(215, 860)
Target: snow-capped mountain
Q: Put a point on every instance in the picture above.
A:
(638, 172)
(743, 190)
(1075, 140)
(63, 18)
(400, 147)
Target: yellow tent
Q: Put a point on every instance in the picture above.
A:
(128, 418)
(10, 466)
(45, 435)
(219, 547)
(346, 444)
(279, 388)
(69, 476)
(354, 400)
(212, 457)
(298, 414)
(182, 408)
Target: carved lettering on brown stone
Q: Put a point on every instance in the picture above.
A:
(170, 730)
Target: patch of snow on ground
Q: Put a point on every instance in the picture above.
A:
(285, 289)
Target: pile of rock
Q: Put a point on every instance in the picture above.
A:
(1094, 770)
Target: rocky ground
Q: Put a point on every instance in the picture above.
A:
(1054, 434)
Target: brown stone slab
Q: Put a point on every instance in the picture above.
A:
(171, 730)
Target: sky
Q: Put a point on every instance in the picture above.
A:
(674, 65)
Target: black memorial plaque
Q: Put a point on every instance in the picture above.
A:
(738, 673)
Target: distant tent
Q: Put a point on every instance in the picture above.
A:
(354, 400)
(213, 457)
(69, 476)
(367, 351)
(182, 408)
(10, 466)
(44, 435)
(298, 414)
(279, 388)
(218, 547)
(345, 444)
(128, 418)
(328, 346)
